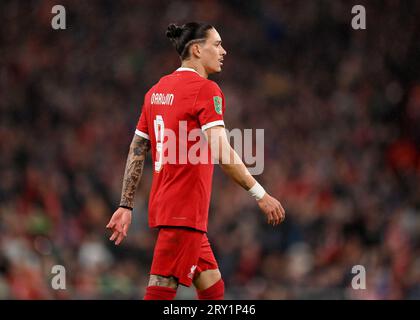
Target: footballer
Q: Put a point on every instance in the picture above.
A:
(180, 193)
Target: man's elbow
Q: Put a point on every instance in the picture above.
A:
(139, 146)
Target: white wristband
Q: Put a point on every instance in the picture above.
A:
(257, 191)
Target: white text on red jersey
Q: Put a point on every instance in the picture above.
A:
(162, 98)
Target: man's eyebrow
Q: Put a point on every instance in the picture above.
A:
(218, 41)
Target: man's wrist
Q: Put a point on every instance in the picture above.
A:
(257, 191)
(125, 207)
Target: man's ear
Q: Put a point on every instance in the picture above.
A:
(196, 50)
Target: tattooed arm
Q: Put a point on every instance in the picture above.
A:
(133, 169)
(121, 219)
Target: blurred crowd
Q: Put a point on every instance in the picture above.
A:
(340, 109)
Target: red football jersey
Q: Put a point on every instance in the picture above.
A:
(182, 103)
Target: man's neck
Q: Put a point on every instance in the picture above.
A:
(197, 67)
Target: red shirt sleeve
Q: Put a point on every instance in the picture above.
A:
(142, 129)
(210, 106)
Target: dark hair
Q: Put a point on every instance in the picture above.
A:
(183, 36)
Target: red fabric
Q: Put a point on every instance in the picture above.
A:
(182, 253)
(181, 189)
(215, 292)
(159, 293)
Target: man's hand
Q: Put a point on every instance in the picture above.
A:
(272, 209)
(119, 223)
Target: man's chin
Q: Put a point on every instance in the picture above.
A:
(215, 70)
(218, 69)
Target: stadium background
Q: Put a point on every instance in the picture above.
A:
(340, 109)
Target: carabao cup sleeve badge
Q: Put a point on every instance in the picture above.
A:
(217, 104)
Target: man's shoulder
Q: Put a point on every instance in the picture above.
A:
(209, 86)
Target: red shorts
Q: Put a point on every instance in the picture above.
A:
(183, 254)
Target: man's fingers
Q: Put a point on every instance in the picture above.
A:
(275, 218)
(269, 217)
(273, 210)
(111, 224)
(114, 236)
(282, 209)
(279, 215)
(125, 229)
(119, 239)
(283, 213)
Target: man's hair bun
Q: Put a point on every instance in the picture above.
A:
(173, 31)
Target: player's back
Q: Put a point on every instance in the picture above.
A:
(175, 111)
(173, 98)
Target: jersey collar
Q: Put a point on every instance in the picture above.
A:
(187, 69)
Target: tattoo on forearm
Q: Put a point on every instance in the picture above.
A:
(133, 169)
